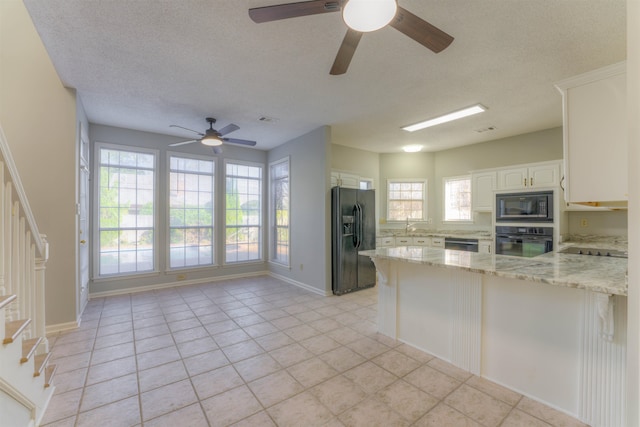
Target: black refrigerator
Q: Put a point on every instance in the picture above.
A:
(353, 229)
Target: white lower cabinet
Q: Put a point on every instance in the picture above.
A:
(484, 246)
(421, 241)
(404, 241)
(382, 242)
(437, 242)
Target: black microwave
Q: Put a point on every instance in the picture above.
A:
(525, 207)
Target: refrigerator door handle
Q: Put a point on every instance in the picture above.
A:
(360, 225)
(356, 226)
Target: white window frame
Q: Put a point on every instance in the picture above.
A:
(273, 227)
(223, 232)
(96, 276)
(214, 231)
(445, 180)
(425, 193)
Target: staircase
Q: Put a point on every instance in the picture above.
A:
(25, 372)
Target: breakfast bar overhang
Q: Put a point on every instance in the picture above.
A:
(551, 327)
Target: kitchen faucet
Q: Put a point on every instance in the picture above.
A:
(409, 226)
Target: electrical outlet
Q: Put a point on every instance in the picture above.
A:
(584, 222)
(181, 277)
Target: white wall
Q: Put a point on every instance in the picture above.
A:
(310, 232)
(633, 320)
(38, 116)
(164, 276)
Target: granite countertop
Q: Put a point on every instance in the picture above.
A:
(597, 274)
(467, 234)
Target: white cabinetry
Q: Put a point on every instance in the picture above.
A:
(595, 135)
(345, 180)
(350, 180)
(482, 186)
(546, 175)
(382, 242)
(404, 241)
(421, 241)
(484, 246)
(437, 242)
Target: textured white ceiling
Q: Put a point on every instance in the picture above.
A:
(146, 64)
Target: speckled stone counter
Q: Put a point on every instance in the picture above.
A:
(597, 274)
(469, 234)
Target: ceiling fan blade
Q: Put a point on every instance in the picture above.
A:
(240, 141)
(420, 30)
(228, 129)
(293, 10)
(217, 150)
(190, 130)
(346, 51)
(177, 144)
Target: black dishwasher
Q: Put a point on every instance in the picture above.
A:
(460, 244)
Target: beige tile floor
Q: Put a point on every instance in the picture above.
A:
(260, 352)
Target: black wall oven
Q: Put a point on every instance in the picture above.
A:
(527, 207)
(523, 241)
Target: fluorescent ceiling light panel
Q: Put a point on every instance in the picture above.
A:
(465, 112)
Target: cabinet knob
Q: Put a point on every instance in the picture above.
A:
(83, 241)
(525, 182)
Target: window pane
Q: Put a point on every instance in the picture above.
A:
(457, 195)
(126, 198)
(406, 200)
(191, 211)
(243, 209)
(279, 216)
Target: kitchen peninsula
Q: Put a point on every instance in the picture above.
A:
(552, 327)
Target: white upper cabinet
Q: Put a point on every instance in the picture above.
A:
(349, 180)
(483, 185)
(538, 176)
(595, 135)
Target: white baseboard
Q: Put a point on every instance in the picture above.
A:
(299, 284)
(174, 284)
(61, 327)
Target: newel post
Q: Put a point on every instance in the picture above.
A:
(41, 327)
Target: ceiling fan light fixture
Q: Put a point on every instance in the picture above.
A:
(368, 15)
(455, 115)
(211, 140)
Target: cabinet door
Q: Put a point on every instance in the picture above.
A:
(421, 241)
(512, 179)
(484, 247)
(596, 141)
(382, 242)
(437, 242)
(483, 185)
(404, 241)
(349, 181)
(544, 176)
(335, 179)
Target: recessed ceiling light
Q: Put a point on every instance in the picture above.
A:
(465, 112)
(412, 148)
